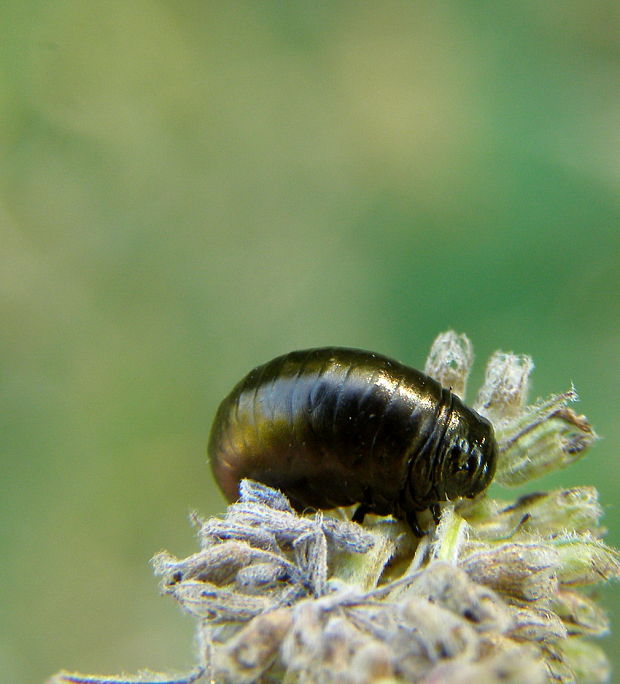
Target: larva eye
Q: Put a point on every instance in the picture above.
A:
(459, 454)
(473, 462)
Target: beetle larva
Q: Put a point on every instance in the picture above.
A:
(334, 427)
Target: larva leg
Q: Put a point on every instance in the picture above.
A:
(412, 519)
(360, 513)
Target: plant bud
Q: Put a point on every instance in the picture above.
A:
(450, 360)
(580, 614)
(504, 391)
(245, 657)
(531, 624)
(520, 571)
(549, 437)
(586, 660)
(585, 560)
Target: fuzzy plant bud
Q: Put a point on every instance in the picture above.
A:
(537, 624)
(521, 571)
(542, 513)
(253, 649)
(581, 615)
(450, 361)
(547, 437)
(586, 660)
(585, 560)
(504, 392)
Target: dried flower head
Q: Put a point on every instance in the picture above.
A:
(493, 594)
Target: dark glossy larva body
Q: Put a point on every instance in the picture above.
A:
(335, 427)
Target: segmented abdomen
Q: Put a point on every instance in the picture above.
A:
(329, 427)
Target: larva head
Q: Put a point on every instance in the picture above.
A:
(468, 455)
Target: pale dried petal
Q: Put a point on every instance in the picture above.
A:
(260, 576)
(215, 530)
(218, 564)
(251, 491)
(347, 536)
(504, 392)
(311, 558)
(220, 605)
(450, 360)
(142, 677)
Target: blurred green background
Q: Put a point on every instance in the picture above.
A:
(188, 189)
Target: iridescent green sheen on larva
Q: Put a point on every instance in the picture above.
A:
(334, 427)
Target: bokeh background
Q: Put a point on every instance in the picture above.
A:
(188, 189)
